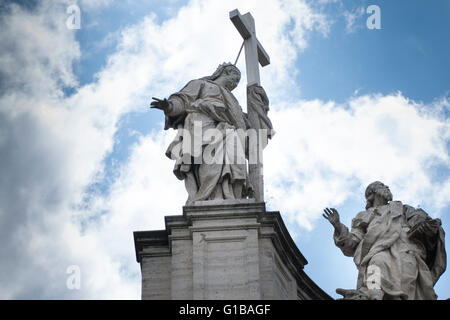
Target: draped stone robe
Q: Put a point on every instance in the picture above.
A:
(212, 106)
(379, 237)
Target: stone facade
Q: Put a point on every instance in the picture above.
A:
(224, 251)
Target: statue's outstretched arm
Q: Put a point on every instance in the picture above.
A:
(344, 239)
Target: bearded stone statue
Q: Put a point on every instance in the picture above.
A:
(398, 250)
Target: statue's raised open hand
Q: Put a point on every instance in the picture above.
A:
(332, 215)
(160, 104)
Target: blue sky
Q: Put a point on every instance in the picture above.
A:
(350, 106)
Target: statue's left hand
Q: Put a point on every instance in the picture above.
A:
(259, 90)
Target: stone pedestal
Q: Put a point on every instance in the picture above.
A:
(223, 251)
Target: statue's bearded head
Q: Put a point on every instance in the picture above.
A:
(374, 189)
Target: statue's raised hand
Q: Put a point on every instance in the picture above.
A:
(332, 215)
(160, 104)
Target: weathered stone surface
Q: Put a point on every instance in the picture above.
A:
(234, 251)
(211, 148)
(155, 267)
(399, 250)
(221, 202)
(215, 139)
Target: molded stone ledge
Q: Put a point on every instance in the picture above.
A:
(254, 247)
(221, 202)
(233, 208)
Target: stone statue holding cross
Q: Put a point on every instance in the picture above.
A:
(216, 140)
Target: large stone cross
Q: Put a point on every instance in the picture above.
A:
(254, 55)
(254, 51)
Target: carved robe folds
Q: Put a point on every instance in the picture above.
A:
(207, 105)
(406, 267)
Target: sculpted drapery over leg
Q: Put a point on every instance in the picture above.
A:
(398, 250)
(206, 112)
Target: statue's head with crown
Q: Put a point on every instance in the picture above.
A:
(227, 75)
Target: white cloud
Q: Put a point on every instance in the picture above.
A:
(52, 148)
(352, 19)
(324, 154)
(94, 4)
(55, 146)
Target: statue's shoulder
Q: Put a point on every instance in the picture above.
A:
(201, 80)
(193, 85)
(413, 214)
(408, 209)
(196, 82)
(362, 219)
